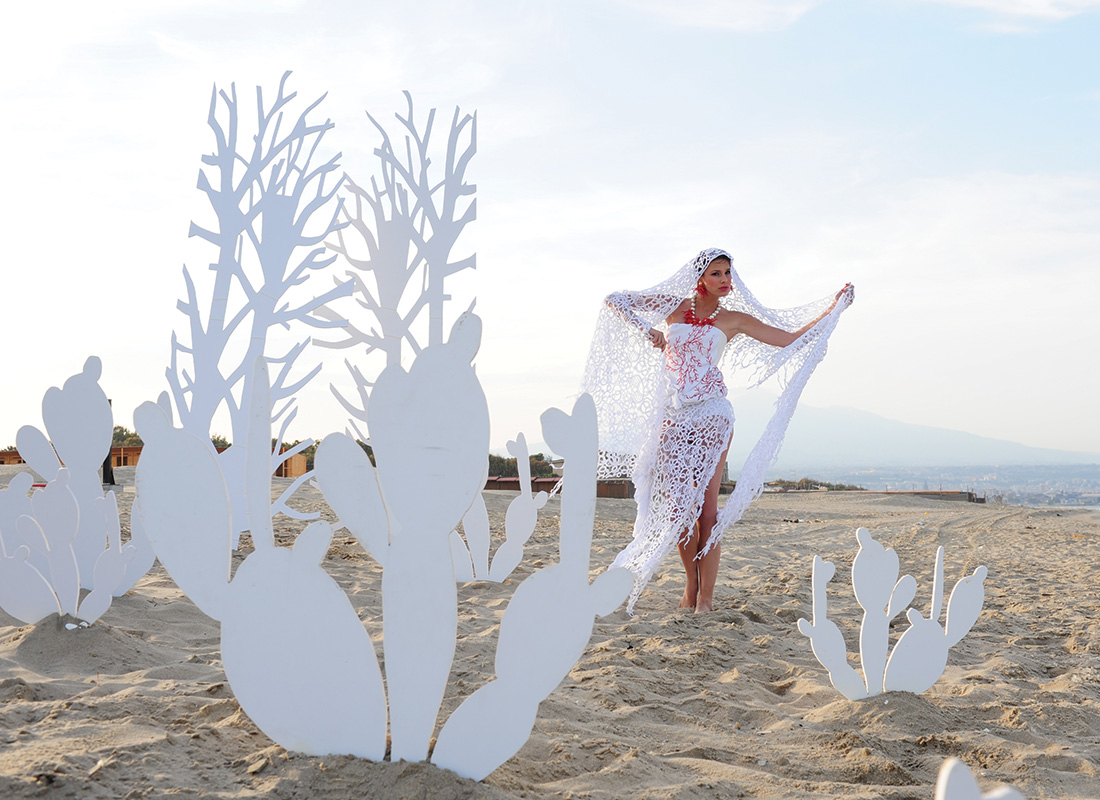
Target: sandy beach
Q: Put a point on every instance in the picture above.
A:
(667, 704)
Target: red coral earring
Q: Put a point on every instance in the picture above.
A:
(701, 289)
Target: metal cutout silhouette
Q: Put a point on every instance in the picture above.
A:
(920, 655)
(470, 549)
(67, 535)
(294, 650)
(956, 782)
(274, 210)
(397, 239)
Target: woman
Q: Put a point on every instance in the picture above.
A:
(667, 422)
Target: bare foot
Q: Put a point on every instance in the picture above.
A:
(703, 607)
(688, 600)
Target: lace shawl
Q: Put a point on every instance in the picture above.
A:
(624, 374)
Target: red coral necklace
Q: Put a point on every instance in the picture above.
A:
(691, 318)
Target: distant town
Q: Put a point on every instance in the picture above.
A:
(1035, 485)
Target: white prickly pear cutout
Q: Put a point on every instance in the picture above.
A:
(294, 650)
(522, 514)
(547, 623)
(920, 655)
(826, 639)
(110, 567)
(80, 425)
(295, 653)
(879, 591)
(956, 782)
(417, 442)
(69, 531)
(25, 591)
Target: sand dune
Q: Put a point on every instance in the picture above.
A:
(664, 705)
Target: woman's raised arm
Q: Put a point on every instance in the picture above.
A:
(769, 334)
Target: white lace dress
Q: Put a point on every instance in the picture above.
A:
(664, 418)
(672, 471)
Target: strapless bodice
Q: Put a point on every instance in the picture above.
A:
(692, 353)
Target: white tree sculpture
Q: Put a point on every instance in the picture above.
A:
(920, 655)
(274, 207)
(956, 782)
(66, 536)
(299, 660)
(398, 240)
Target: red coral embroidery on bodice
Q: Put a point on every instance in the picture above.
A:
(691, 363)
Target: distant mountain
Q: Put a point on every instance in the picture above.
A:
(849, 438)
(825, 442)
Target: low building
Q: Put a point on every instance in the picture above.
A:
(8, 457)
(293, 467)
(125, 455)
(129, 455)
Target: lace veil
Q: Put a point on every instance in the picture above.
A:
(624, 372)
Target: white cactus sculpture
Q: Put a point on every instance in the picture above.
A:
(920, 655)
(398, 238)
(547, 623)
(299, 660)
(471, 557)
(273, 210)
(67, 536)
(295, 653)
(956, 782)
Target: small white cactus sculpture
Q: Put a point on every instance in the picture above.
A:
(920, 655)
(956, 782)
(471, 557)
(67, 536)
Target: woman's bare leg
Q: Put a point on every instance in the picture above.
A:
(708, 564)
(689, 548)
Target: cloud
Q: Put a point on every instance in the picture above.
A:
(774, 15)
(1035, 9)
(742, 15)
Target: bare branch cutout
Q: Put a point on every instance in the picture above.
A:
(397, 239)
(275, 201)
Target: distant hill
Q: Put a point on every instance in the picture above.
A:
(850, 438)
(826, 442)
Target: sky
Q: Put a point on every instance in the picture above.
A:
(940, 154)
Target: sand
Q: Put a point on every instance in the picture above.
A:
(667, 704)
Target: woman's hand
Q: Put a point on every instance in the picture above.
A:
(849, 289)
(657, 339)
